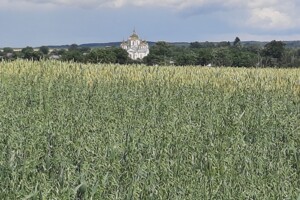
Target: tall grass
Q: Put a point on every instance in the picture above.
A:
(73, 131)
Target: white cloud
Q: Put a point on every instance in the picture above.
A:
(269, 18)
(272, 14)
(14, 5)
(175, 4)
(261, 3)
(261, 14)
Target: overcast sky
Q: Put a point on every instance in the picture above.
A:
(56, 22)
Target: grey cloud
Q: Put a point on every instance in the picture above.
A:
(259, 13)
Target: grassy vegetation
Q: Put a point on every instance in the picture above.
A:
(132, 132)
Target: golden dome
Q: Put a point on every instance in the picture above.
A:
(134, 35)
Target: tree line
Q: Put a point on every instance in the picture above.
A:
(234, 54)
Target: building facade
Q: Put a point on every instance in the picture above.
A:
(136, 48)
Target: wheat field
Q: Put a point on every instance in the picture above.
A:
(85, 131)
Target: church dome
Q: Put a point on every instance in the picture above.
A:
(134, 36)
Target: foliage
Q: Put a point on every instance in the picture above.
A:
(274, 49)
(222, 57)
(160, 54)
(44, 50)
(121, 56)
(225, 53)
(8, 50)
(30, 54)
(223, 44)
(237, 41)
(101, 56)
(273, 53)
(187, 58)
(73, 55)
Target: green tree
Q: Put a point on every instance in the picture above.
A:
(84, 49)
(195, 45)
(208, 44)
(73, 47)
(44, 50)
(30, 54)
(27, 50)
(187, 58)
(222, 57)
(73, 55)
(121, 55)
(61, 52)
(101, 55)
(223, 44)
(273, 52)
(160, 54)
(242, 58)
(237, 41)
(153, 59)
(8, 50)
(204, 56)
(298, 53)
(8, 54)
(162, 48)
(1, 54)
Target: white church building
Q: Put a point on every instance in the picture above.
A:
(136, 48)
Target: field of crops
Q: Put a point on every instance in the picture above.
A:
(74, 131)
